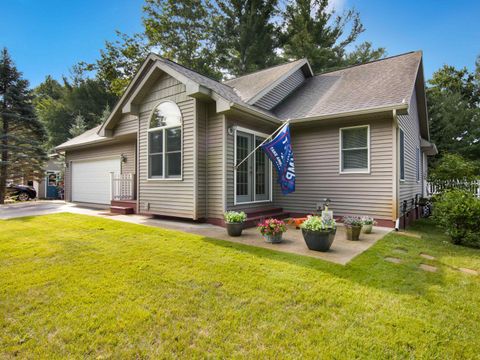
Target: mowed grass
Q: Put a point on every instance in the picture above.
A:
(73, 286)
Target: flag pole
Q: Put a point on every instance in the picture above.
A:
(263, 142)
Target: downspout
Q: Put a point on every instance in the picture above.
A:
(137, 170)
(395, 187)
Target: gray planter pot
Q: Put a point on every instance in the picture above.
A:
(319, 240)
(273, 239)
(353, 232)
(234, 229)
(367, 229)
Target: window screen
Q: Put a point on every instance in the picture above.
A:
(354, 149)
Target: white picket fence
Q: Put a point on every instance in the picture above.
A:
(436, 187)
(122, 186)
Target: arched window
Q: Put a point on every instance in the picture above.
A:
(165, 142)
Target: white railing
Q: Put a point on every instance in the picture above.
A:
(122, 186)
(436, 187)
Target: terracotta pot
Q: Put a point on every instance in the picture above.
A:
(353, 232)
(234, 229)
(273, 239)
(367, 229)
(319, 240)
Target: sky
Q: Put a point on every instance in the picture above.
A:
(48, 37)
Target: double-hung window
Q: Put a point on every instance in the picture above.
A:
(165, 142)
(355, 149)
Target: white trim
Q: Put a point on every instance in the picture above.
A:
(340, 158)
(163, 128)
(270, 195)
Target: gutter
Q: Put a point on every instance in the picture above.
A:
(379, 109)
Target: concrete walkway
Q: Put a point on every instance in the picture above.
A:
(341, 252)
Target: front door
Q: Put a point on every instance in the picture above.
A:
(253, 176)
(52, 182)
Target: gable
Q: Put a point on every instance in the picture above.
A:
(278, 93)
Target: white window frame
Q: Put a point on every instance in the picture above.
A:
(354, 171)
(270, 195)
(164, 177)
(401, 166)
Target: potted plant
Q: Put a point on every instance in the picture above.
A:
(318, 233)
(368, 223)
(234, 221)
(353, 226)
(272, 230)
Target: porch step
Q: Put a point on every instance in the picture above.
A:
(122, 210)
(258, 215)
(125, 203)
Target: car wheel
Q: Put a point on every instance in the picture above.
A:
(23, 196)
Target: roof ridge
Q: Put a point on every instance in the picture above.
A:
(367, 63)
(268, 68)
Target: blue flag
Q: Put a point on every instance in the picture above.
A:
(279, 150)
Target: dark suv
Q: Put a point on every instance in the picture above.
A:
(21, 192)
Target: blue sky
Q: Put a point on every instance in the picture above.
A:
(48, 37)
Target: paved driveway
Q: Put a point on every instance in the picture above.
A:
(341, 252)
(33, 208)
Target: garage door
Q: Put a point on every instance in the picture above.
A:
(91, 180)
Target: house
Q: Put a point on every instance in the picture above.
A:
(359, 134)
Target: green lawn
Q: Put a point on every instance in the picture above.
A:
(82, 287)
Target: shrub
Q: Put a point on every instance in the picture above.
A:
(453, 167)
(352, 221)
(272, 227)
(316, 223)
(458, 213)
(234, 216)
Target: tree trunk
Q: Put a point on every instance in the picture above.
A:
(3, 167)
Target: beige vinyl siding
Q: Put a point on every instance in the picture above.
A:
(173, 197)
(257, 126)
(215, 164)
(128, 124)
(410, 125)
(201, 159)
(111, 149)
(317, 167)
(281, 90)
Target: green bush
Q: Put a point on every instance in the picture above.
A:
(234, 216)
(458, 213)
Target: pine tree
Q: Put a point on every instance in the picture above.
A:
(78, 126)
(246, 35)
(311, 30)
(21, 134)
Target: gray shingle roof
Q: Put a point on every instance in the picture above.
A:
(376, 84)
(381, 83)
(249, 85)
(224, 90)
(88, 137)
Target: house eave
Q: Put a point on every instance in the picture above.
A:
(399, 108)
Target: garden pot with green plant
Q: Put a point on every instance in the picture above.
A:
(368, 223)
(353, 227)
(234, 222)
(272, 230)
(318, 234)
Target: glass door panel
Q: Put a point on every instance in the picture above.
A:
(262, 173)
(244, 184)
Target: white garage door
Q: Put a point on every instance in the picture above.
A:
(91, 180)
